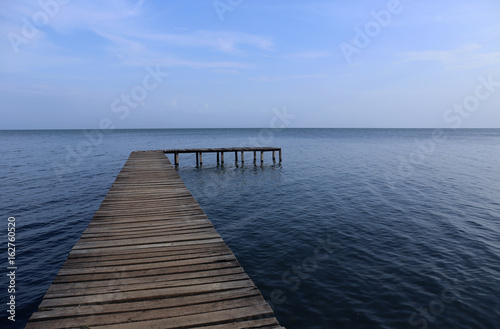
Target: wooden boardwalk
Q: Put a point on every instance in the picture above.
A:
(220, 153)
(150, 258)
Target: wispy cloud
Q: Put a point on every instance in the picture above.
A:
(288, 77)
(467, 57)
(113, 24)
(310, 55)
(136, 48)
(173, 62)
(227, 42)
(130, 38)
(108, 15)
(226, 71)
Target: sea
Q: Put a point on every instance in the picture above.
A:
(355, 228)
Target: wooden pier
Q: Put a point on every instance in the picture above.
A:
(220, 153)
(150, 258)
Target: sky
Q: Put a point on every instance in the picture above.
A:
(68, 64)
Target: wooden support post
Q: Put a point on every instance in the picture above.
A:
(220, 154)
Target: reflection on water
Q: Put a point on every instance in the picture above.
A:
(346, 232)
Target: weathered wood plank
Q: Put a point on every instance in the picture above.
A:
(150, 258)
(87, 310)
(121, 296)
(145, 273)
(149, 265)
(215, 317)
(75, 286)
(143, 285)
(154, 314)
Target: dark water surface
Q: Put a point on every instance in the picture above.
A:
(355, 229)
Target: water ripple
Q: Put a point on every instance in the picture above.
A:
(392, 244)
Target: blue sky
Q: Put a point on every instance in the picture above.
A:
(229, 63)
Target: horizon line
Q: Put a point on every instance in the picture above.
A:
(276, 129)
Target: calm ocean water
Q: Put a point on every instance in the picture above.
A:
(355, 229)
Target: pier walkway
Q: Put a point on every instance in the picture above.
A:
(150, 258)
(220, 153)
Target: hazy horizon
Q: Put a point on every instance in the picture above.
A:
(228, 128)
